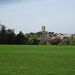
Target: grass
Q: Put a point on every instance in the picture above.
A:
(37, 60)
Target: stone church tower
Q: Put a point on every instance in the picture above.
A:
(43, 28)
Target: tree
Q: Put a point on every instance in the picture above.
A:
(3, 35)
(27, 35)
(20, 38)
(11, 36)
(51, 34)
(66, 41)
(39, 34)
(6, 36)
(72, 42)
(33, 40)
(26, 40)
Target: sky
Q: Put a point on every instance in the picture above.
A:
(30, 15)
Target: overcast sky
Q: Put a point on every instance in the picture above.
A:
(29, 15)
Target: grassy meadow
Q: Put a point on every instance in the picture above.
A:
(37, 60)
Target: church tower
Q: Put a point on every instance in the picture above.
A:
(43, 28)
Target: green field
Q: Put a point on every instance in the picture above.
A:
(37, 60)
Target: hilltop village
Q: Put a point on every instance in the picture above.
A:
(45, 35)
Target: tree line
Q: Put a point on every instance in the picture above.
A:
(7, 36)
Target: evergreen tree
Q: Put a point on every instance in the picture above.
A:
(20, 38)
(11, 37)
(3, 35)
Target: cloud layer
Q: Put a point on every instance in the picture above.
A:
(30, 15)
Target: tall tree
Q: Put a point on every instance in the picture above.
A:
(3, 35)
(20, 38)
(11, 36)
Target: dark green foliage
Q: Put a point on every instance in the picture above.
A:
(20, 38)
(28, 35)
(26, 40)
(3, 35)
(51, 34)
(39, 38)
(10, 37)
(39, 33)
(33, 40)
(66, 41)
(72, 42)
(6, 36)
(43, 42)
(48, 43)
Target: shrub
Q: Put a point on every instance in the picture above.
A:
(72, 42)
(48, 43)
(42, 42)
(55, 41)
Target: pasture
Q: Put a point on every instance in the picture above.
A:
(37, 60)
